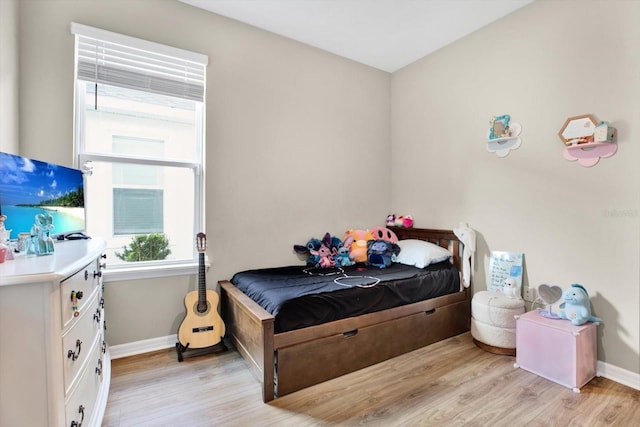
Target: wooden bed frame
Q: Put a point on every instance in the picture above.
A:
(289, 361)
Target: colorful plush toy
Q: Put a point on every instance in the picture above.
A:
(394, 220)
(358, 248)
(313, 244)
(342, 256)
(380, 252)
(383, 233)
(576, 306)
(391, 220)
(324, 255)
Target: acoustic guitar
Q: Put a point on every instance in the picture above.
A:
(202, 326)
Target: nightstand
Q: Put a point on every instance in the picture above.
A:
(556, 350)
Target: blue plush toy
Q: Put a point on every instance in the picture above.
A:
(576, 306)
(312, 245)
(381, 252)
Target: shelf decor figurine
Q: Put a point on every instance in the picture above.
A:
(586, 141)
(503, 135)
(43, 226)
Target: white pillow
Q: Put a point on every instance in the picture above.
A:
(420, 253)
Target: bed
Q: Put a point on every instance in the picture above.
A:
(289, 357)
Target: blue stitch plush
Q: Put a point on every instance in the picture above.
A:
(381, 252)
(576, 306)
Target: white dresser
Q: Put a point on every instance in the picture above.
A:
(54, 362)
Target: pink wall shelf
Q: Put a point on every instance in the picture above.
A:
(590, 154)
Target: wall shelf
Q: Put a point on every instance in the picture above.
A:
(504, 144)
(589, 154)
(586, 140)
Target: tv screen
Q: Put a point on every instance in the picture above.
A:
(29, 187)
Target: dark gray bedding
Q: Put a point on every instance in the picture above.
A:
(300, 296)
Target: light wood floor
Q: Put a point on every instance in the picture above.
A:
(450, 383)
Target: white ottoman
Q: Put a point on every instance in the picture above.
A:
(493, 325)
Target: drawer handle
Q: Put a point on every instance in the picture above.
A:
(430, 312)
(74, 423)
(75, 297)
(73, 355)
(102, 302)
(99, 367)
(350, 334)
(96, 316)
(97, 274)
(104, 346)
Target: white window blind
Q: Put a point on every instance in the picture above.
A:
(129, 62)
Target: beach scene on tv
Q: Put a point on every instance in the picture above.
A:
(29, 187)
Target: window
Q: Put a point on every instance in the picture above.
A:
(139, 114)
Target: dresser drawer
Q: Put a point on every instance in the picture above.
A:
(77, 342)
(80, 405)
(86, 281)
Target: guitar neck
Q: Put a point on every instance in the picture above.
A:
(202, 285)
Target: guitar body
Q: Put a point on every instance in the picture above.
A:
(200, 330)
(202, 326)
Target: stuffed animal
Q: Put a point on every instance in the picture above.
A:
(380, 252)
(358, 248)
(407, 221)
(324, 255)
(576, 306)
(391, 220)
(510, 288)
(313, 244)
(343, 258)
(383, 233)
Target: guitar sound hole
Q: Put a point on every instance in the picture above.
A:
(201, 308)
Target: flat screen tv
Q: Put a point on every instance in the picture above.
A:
(29, 187)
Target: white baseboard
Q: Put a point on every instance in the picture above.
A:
(619, 375)
(144, 346)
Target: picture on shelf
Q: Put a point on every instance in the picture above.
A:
(499, 127)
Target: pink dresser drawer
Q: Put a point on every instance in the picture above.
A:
(556, 350)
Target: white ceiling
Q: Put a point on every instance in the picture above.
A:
(385, 34)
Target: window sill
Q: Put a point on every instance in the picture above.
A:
(116, 274)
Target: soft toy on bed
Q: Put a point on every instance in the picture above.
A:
(383, 233)
(576, 306)
(342, 256)
(324, 255)
(312, 245)
(381, 252)
(358, 248)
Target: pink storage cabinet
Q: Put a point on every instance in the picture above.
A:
(556, 350)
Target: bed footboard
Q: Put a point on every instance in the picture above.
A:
(250, 329)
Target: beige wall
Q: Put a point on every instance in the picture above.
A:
(542, 64)
(297, 140)
(9, 76)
